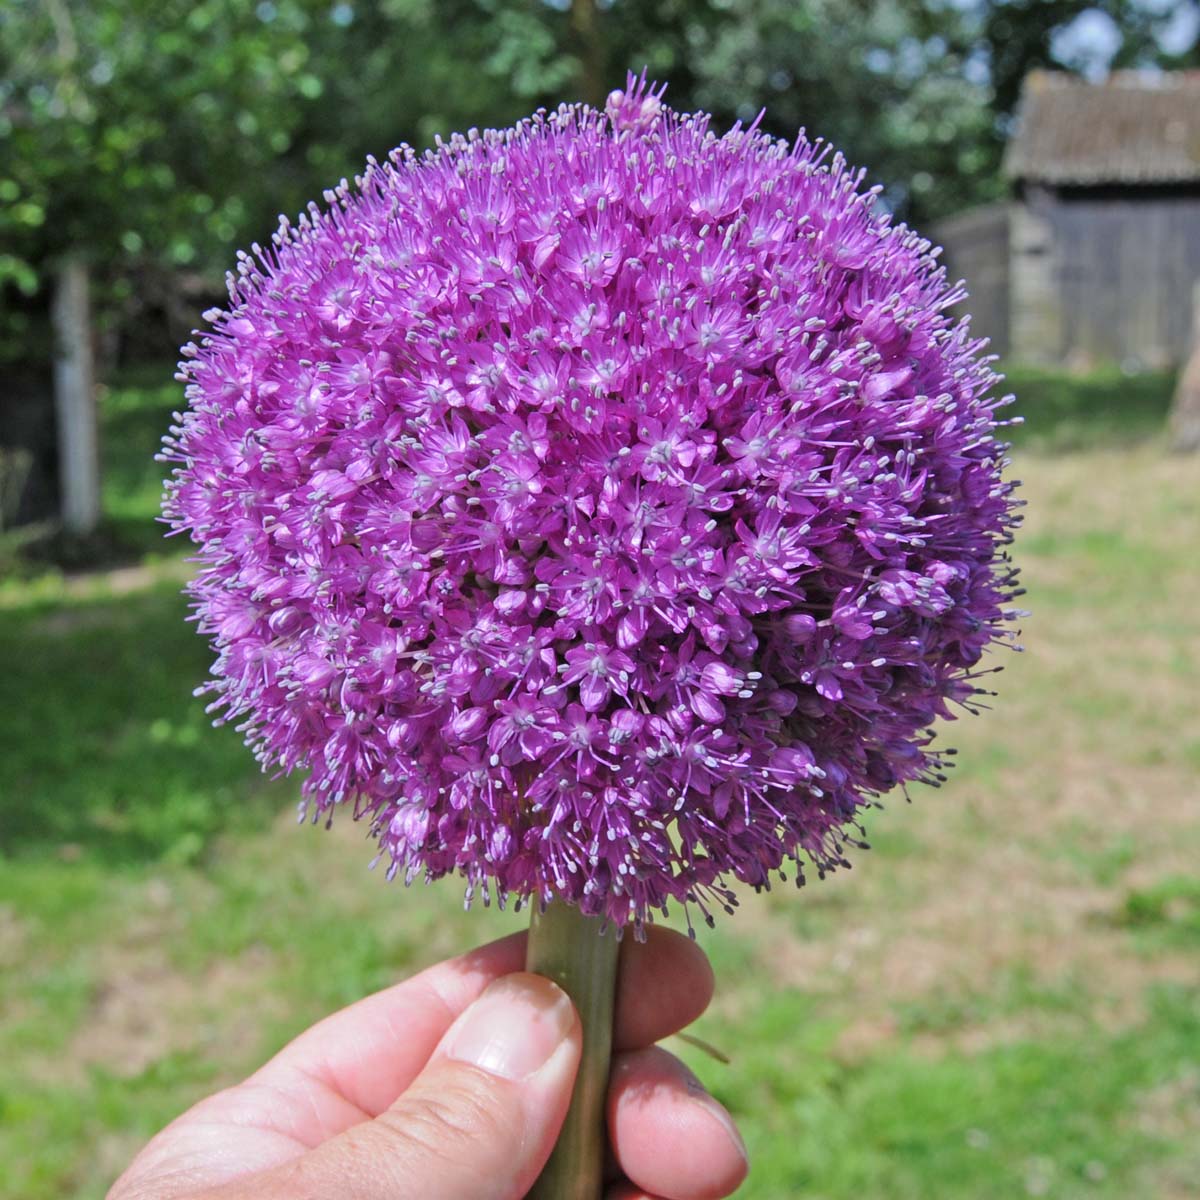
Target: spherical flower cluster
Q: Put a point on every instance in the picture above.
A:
(602, 508)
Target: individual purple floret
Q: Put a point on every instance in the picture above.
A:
(602, 508)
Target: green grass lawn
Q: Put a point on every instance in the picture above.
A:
(1002, 999)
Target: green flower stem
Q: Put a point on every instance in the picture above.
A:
(568, 947)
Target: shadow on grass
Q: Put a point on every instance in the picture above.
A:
(134, 414)
(1104, 410)
(104, 750)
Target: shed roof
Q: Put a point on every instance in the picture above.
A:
(1134, 128)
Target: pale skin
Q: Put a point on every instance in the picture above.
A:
(452, 1086)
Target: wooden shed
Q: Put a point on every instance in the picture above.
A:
(1095, 256)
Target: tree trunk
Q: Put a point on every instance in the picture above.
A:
(75, 398)
(1185, 409)
(589, 45)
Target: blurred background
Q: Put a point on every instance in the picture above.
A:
(1003, 998)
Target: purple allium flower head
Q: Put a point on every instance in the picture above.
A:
(602, 508)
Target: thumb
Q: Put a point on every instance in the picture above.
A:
(481, 1119)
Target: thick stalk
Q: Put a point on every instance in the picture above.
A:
(568, 947)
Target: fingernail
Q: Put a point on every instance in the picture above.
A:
(513, 1028)
(716, 1109)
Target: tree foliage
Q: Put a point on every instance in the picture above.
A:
(146, 126)
(161, 134)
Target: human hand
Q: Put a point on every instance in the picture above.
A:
(452, 1086)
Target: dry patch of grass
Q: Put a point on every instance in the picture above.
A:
(145, 1009)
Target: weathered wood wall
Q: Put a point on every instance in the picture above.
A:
(975, 249)
(1035, 298)
(1125, 267)
(1076, 279)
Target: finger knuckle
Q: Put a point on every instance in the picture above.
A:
(455, 1112)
